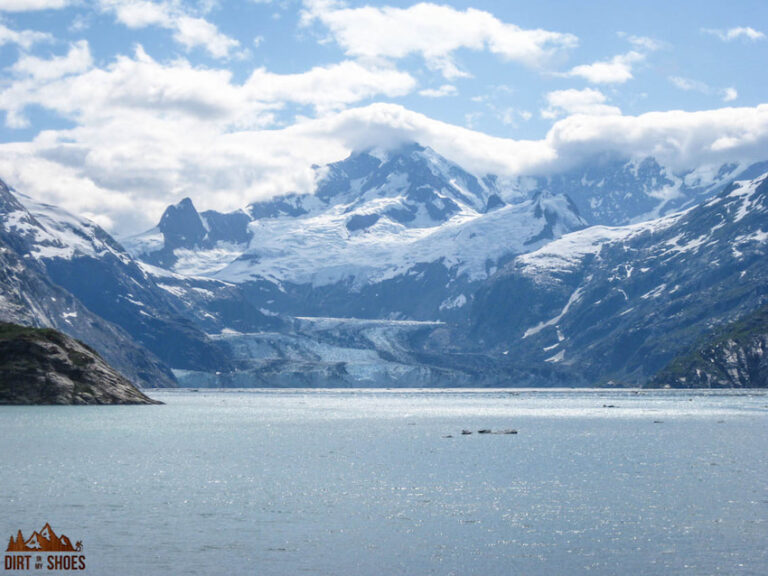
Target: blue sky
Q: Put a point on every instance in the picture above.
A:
(116, 108)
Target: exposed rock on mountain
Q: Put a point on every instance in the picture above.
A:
(734, 357)
(620, 303)
(43, 366)
(28, 296)
(406, 234)
(79, 257)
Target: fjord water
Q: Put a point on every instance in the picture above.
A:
(365, 482)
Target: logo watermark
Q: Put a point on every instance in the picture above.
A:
(44, 550)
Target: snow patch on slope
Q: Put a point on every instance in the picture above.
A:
(575, 297)
(566, 253)
(55, 233)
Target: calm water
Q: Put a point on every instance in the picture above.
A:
(364, 482)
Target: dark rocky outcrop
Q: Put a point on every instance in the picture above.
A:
(735, 357)
(43, 366)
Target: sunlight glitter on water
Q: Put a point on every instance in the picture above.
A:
(383, 482)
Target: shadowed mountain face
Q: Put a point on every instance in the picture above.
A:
(404, 268)
(77, 257)
(64, 272)
(181, 225)
(42, 366)
(406, 234)
(29, 296)
(734, 356)
(621, 303)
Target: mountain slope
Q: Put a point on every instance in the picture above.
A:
(612, 191)
(406, 234)
(81, 258)
(736, 356)
(621, 303)
(28, 296)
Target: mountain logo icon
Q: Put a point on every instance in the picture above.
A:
(44, 540)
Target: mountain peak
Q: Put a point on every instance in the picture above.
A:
(422, 187)
(8, 202)
(362, 162)
(183, 205)
(181, 225)
(383, 153)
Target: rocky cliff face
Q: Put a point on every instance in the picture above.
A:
(408, 235)
(43, 366)
(76, 258)
(620, 304)
(404, 269)
(29, 297)
(737, 357)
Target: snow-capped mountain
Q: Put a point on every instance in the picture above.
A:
(378, 227)
(377, 218)
(613, 191)
(404, 269)
(165, 313)
(621, 303)
(29, 296)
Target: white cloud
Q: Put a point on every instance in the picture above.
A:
(435, 32)
(617, 70)
(188, 30)
(442, 91)
(683, 140)
(24, 38)
(77, 60)
(140, 13)
(511, 116)
(32, 5)
(728, 94)
(744, 32)
(329, 88)
(689, 85)
(191, 32)
(128, 170)
(128, 86)
(79, 24)
(644, 42)
(567, 102)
